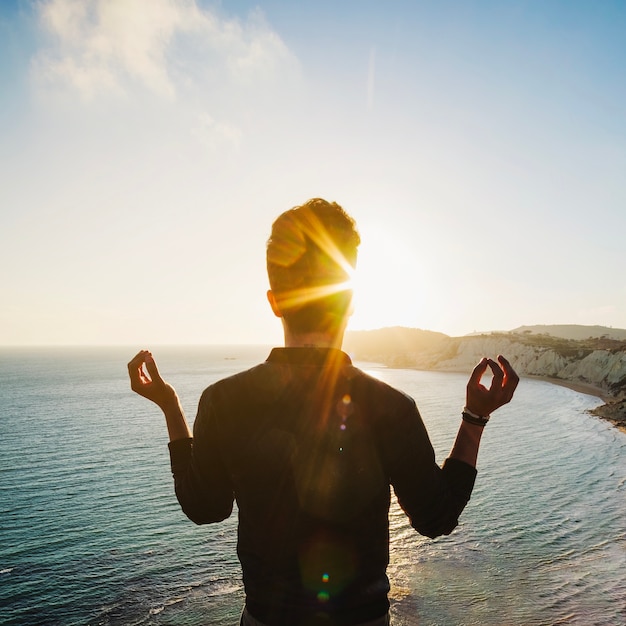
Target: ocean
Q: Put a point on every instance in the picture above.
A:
(91, 533)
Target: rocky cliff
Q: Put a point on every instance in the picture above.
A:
(596, 364)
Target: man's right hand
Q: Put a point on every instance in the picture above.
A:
(147, 382)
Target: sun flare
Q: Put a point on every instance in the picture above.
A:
(387, 283)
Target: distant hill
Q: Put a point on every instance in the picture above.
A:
(385, 344)
(573, 331)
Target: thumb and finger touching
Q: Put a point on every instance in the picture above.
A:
(144, 374)
(153, 370)
(500, 392)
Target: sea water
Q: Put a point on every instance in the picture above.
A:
(91, 533)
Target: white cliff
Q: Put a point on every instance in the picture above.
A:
(604, 369)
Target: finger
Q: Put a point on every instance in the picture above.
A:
(152, 368)
(478, 372)
(138, 378)
(511, 378)
(144, 377)
(136, 361)
(509, 372)
(498, 375)
(510, 375)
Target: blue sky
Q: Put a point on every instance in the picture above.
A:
(147, 147)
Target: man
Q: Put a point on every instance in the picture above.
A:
(309, 445)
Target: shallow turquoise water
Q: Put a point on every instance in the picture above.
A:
(91, 532)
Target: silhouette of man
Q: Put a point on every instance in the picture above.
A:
(309, 446)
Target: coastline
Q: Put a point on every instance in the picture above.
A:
(613, 410)
(586, 388)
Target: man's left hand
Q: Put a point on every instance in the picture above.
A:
(482, 401)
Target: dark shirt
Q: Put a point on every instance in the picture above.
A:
(308, 446)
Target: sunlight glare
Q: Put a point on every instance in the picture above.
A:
(388, 283)
(306, 295)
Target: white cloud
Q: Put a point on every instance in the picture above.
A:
(217, 135)
(110, 47)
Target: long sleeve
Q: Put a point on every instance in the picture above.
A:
(433, 497)
(201, 481)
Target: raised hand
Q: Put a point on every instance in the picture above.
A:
(482, 401)
(147, 382)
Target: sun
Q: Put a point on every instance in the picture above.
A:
(387, 283)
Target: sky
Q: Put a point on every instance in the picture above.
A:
(146, 146)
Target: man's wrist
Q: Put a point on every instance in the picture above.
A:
(473, 418)
(171, 406)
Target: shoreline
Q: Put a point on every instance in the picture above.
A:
(586, 388)
(613, 410)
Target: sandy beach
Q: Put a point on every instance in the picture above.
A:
(587, 388)
(613, 410)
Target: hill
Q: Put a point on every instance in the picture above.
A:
(574, 331)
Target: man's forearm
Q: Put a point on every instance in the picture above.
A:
(467, 443)
(177, 426)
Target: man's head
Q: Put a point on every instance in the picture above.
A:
(310, 255)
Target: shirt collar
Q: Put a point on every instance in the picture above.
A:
(309, 356)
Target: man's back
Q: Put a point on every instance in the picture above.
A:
(308, 445)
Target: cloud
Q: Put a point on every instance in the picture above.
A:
(215, 135)
(113, 47)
